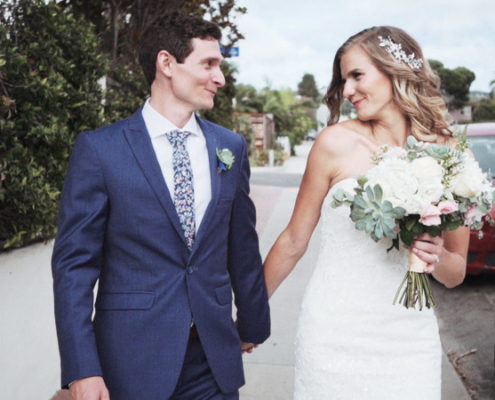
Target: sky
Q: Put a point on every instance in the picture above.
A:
(284, 39)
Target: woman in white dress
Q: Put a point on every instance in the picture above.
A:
(352, 343)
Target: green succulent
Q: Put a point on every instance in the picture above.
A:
(369, 211)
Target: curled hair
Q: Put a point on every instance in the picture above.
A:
(173, 33)
(415, 91)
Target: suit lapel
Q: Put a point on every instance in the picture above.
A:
(140, 143)
(212, 143)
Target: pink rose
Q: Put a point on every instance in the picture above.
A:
(472, 215)
(431, 216)
(447, 207)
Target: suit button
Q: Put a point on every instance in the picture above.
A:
(190, 270)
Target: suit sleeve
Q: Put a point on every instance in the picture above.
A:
(76, 260)
(245, 265)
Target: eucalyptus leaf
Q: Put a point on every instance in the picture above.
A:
(411, 142)
(361, 180)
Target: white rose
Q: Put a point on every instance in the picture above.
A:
(396, 180)
(429, 175)
(468, 182)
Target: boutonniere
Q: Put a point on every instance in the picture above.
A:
(225, 160)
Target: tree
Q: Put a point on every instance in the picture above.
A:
(307, 88)
(484, 111)
(49, 71)
(290, 115)
(455, 84)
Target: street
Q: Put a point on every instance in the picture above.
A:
(466, 317)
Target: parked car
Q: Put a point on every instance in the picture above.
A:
(312, 135)
(481, 255)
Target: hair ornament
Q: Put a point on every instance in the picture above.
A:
(396, 50)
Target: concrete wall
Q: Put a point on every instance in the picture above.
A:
(29, 360)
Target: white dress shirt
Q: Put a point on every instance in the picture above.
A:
(158, 126)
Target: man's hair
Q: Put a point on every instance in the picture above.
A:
(416, 91)
(172, 33)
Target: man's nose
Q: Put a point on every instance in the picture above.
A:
(219, 78)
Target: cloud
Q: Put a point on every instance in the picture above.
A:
(287, 38)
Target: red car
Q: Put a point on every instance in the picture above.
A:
(481, 255)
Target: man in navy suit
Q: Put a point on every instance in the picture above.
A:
(168, 231)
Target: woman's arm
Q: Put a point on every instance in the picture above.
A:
(293, 241)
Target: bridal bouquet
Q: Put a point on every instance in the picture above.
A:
(423, 188)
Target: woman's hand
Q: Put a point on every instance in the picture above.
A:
(429, 249)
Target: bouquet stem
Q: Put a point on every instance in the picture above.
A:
(417, 289)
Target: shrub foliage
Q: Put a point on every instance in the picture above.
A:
(49, 71)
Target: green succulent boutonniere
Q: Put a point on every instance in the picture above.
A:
(225, 160)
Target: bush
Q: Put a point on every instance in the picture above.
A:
(260, 158)
(484, 111)
(127, 89)
(49, 71)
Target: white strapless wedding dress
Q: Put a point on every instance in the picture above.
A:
(351, 342)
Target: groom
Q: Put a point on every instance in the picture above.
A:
(167, 229)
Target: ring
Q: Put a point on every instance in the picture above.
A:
(437, 259)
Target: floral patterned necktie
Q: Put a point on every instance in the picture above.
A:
(183, 185)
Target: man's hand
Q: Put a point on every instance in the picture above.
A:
(92, 388)
(248, 347)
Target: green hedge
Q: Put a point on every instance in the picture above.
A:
(49, 71)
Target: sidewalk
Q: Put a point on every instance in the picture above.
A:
(270, 368)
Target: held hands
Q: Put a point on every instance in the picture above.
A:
(91, 388)
(248, 347)
(429, 249)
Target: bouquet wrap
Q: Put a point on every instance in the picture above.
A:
(416, 264)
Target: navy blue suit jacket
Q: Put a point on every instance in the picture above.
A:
(118, 227)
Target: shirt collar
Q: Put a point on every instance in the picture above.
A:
(158, 125)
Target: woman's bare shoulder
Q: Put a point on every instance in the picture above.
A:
(340, 138)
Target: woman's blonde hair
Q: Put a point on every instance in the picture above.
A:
(416, 91)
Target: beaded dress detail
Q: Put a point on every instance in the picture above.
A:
(351, 342)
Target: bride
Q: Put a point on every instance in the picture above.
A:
(352, 343)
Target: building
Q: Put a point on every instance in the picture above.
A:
(263, 126)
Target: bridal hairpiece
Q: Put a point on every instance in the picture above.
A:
(396, 50)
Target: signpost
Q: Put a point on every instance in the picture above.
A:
(233, 51)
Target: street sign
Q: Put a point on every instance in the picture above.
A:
(233, 51)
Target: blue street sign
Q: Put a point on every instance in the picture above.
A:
(233, 51)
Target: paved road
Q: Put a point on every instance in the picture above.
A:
(466, 318)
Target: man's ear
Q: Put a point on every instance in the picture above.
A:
(163, 63)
